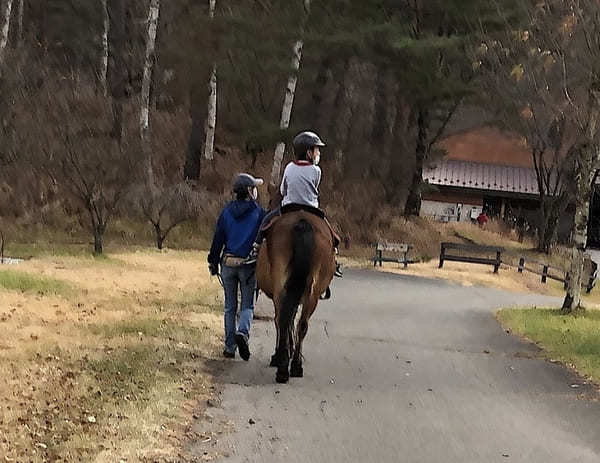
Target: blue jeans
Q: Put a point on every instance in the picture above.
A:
(243, 277)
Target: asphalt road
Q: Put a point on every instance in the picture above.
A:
(402, 369)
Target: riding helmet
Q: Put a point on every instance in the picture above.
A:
(305, 141)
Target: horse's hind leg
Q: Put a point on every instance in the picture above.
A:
(275, 358)
(308, 307)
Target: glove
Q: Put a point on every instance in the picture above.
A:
(213, 269)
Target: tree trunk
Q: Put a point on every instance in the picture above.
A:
(286, 111)
(211, 121)
(191, 169)
(20, 23)
(342, 111)
(159, 236)
(117, 68)
(98, 242)
(288, 102)
(550, 210)
(104, 59)
(583, 185)
(153, 13)
(413, 202)
(5, 29)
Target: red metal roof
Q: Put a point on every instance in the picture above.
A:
(480, 176)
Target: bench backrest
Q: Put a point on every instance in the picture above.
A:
(393, 247)
(472, 247)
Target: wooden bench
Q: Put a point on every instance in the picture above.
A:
(470, 259)
(396, 248)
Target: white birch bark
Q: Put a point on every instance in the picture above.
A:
(20, 23)
(286, 111)
(288, 103)
(153, 13)
(104, 60)
(588, 161)
(5, 29)
(211, 120)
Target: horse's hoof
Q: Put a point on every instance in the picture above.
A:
(274, 361)
(282, 376)
(296, 370)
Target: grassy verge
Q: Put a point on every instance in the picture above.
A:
(105, 359)
(25, 282)
(573, 340)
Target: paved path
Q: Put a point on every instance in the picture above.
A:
(401, 369)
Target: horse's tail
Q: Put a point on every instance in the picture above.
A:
(302, 248)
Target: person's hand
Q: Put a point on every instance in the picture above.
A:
(213, 269)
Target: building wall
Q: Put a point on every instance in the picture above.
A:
(447, 211)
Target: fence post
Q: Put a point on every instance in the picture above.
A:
(442, 254)
(521, 264)
(406, 258)
(545, 274)
(380, 256)
(498, 262)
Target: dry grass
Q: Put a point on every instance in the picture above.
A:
(111, 365)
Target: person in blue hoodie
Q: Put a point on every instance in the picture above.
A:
(234, 234)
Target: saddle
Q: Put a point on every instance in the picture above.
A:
(288, 208)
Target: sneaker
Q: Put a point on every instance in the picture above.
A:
(253, 256)
(228, 355)
(242, 342)
(338, 271)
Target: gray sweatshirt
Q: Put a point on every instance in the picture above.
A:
(300, 184)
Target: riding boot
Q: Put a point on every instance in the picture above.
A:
(338, 267)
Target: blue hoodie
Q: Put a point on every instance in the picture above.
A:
(236, 230)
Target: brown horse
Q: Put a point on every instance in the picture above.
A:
(295, 265)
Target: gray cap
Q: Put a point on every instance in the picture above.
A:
(245, 181)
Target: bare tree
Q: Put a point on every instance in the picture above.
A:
(168, 207)
(556, 55)
(288, 102)
(72, 150)
(4, 31)
(525, 111)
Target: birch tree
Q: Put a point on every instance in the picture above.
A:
(288, 102)
(5, 29)
(104, 59)
(211, 121)
(145, 135)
